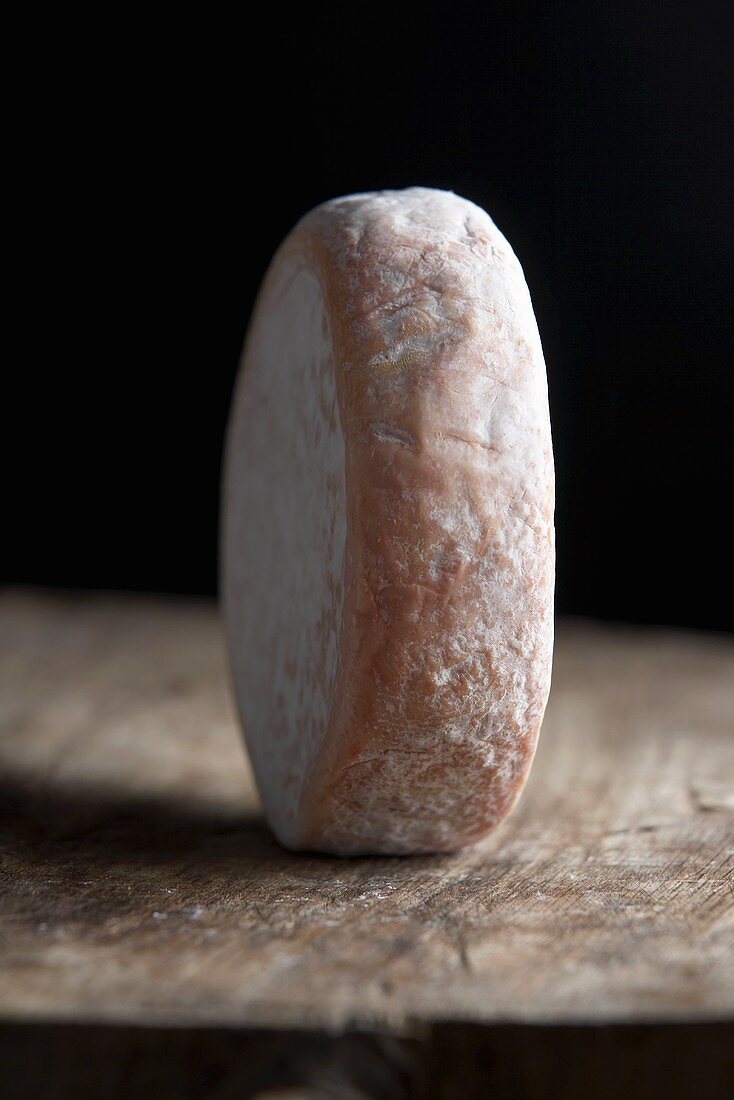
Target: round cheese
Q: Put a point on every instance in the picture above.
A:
(387, 528)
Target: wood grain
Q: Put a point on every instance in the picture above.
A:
(139, 884)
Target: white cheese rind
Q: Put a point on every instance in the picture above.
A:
(284, 536)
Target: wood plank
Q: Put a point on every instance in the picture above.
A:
(139, 884)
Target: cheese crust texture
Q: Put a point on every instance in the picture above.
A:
(387, 528)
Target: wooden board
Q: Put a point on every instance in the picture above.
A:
(139, 884)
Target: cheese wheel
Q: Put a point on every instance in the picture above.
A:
(387, 528)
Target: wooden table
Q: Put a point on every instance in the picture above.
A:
(151, 926)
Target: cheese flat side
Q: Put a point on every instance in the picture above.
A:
(284, 537)
(420, 727)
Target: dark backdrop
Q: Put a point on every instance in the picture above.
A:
(164, 162)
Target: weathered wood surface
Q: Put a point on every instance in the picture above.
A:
(139, 883)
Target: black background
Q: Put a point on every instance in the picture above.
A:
(162, 164)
